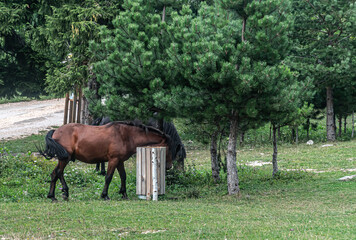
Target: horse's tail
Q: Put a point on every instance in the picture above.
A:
(53, 149)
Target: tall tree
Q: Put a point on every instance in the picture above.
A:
(324, 30)
(228, 63)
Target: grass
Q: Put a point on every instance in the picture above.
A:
(19, 98)
(298, 204)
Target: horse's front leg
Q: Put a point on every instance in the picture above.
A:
(102, 166)
(122, 172)
(109, 174)
(103, 169)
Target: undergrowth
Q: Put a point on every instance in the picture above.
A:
(25, 177)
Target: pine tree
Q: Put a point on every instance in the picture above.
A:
(324, 31)
(130, 60)
(228, 63)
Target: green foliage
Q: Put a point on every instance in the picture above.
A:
(69, 30)
(129, 60)
(324, 49)
(21, 65)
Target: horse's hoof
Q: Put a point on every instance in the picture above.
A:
(54, 200)
(106, 198)
(103, 173)
(65, 198)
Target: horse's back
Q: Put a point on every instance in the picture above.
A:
(90, 144)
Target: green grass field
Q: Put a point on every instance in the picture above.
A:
(305, 201)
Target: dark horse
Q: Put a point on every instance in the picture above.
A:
(113, 143)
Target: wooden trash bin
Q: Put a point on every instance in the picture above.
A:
(150, 160)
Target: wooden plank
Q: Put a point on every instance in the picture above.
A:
(74, 106)
(138, 171)
(163, 171)
(143, 179)
(154, 173)
(65, 120)
(148, 174)
(70, 111)
(159, 169)
(80, 96)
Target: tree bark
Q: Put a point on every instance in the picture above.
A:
(242, 138)
(275, 152)
(330, 122)
(214, 157)
(353, 125)
(345, 124)
(270, 132)
(340, 126)
(293, 135)
(93, 86)
(232, 178)
(296, 135)
(85, 111)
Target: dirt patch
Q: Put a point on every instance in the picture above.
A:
(26, 118)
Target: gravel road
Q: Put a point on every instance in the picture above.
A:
(25, 118)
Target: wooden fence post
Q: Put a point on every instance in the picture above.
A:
(65, 120)
(150, 172)
(80, 96)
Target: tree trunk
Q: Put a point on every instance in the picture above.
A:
(296, 135)
(232, 178)
(345, 124)
(85, 111)
(353, 125)
(330, 122)
(270, 132)
(242, 138)
(93, 86)
(340, 126)
(275, 152)
(308, 127)
(293, 135)
(279, 133)
(214, 157)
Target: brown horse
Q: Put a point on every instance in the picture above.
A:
(113, 143)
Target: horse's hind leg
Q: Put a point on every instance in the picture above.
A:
(65, 188)
(57, 173)
(122, 172)
(110, 172)
(54, 178)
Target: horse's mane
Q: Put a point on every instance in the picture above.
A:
(138, 124)
(170, 129)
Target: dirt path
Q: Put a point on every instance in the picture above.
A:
(26, 118)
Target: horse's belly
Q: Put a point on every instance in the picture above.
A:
(91, 159)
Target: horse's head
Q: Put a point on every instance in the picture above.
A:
(180, 153)
(169, 159)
